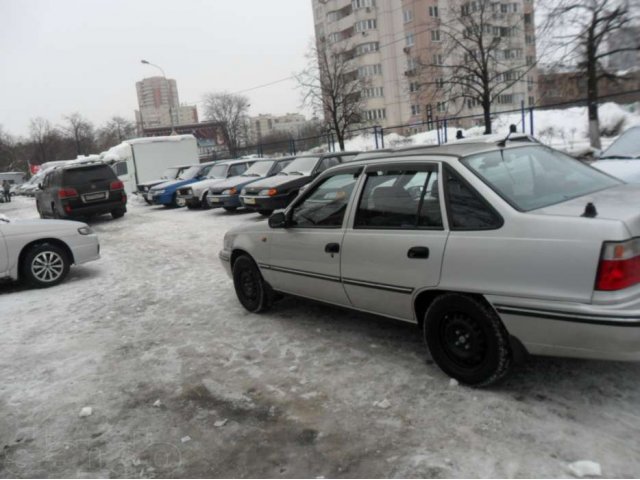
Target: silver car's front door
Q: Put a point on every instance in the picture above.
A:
(396, 244)
(305, 256)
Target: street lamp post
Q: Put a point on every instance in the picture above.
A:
(173, 130)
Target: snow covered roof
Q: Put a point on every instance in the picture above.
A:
(169, 138)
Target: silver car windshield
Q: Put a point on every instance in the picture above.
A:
(170, 173)
(219, 171)
(627, 146)
(189, 173)
(301, 166)
(536, 177)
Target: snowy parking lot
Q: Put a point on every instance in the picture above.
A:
(182, 382)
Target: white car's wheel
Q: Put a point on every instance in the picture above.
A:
(45, 265)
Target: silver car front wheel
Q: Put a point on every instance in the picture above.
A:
(45, 265)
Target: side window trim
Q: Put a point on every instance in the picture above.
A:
(429, 167)
(447, 169)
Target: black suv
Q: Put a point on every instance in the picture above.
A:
(81, 190)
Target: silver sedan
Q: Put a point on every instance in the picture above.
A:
(494, 249)
(40, 252)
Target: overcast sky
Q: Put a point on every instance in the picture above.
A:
(64, 56)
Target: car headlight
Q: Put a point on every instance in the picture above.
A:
(157, 192)
(230, 191)
(85, 231)
(243, 191)
(269, 192)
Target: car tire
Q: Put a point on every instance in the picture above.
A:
(467, 339)
(118, 213)
(203, 203)
(230, 209)
(45, 265)
(265, 213)
(252, 291)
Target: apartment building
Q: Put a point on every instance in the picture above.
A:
(399, 44)
(159, 106)
(264, 125)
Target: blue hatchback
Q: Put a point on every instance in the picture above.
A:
(167, 193)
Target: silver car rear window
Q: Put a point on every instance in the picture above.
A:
(535, 177)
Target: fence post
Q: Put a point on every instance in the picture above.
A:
(524, 127)
(446, 132)
(382, 136)
(531, 120)
(329, 141)
(375, 134)
(438, 130)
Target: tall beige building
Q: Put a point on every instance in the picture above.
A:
(395, 43)
(158, 102)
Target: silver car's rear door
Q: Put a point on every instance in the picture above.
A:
(396, 242)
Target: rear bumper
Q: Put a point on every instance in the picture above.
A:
(254, 202)
(228, 201)
(96, 209)
(572, 330)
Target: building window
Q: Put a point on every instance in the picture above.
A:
(357, 4)
(439, 83)
(334, 37)
(505, 99)
(364, 25)
(437, 59)
(435, 35)
(433, 11)
(441, 107)
(532, 101)
(410, 40)
(365, 48)
(531, 59)
(373, 92)
(414, 87)
(369, 70)
(376, 114)
(407, 15)
(412, 63)
(529, 39)
(415, 110)
(527, 19)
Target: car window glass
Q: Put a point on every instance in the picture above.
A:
(280, 165)
(237, 169)
(121, 168)
(327, 203)
(78, 176)
(535, 177)
(328, 163)
(402, 199)
(626, 146)
(467, 210)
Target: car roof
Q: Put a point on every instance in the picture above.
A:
(335, 154)
(457, 150)
(234, 161)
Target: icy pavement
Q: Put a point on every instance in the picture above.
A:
(152, 338)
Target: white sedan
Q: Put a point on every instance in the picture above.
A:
(40, 252)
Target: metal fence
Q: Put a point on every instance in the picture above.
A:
(442, 128)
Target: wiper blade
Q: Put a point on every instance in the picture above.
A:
(619, 157)
(296, 173)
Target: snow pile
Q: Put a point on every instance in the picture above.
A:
(565, 129)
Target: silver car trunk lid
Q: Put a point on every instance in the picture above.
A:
(621, 202)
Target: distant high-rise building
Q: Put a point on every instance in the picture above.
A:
(158, 103)
(391, 41)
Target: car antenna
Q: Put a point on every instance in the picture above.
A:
(512, 129)
(590, 211)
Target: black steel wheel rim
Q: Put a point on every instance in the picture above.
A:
(463, 340)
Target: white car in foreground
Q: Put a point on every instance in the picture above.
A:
(40, 252)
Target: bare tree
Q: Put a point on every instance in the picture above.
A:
(8, 155)
(588, 26)
(81, 131)
(478, 61)
(230, 111)
(114, 132)
(331, 85)
(45, 141)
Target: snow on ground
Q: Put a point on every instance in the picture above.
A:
(564, 129)
(182, 382)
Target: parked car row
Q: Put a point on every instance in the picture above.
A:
(262, 185)
(495, 249)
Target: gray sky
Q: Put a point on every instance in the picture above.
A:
(63, 56)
